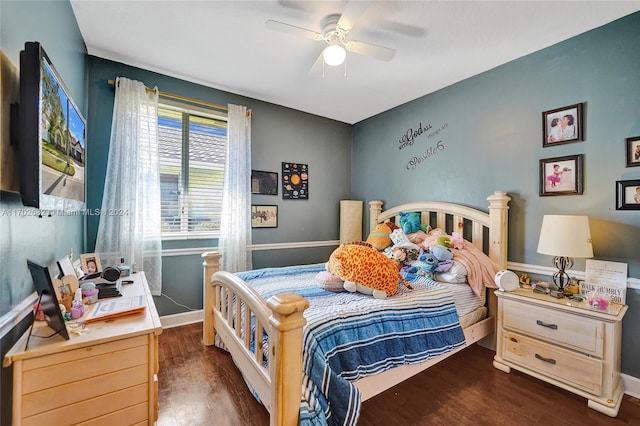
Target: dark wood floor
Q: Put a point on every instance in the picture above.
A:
(201, 386)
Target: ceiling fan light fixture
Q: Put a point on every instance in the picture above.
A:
(334, 55)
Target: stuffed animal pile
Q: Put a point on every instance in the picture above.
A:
(390, 256)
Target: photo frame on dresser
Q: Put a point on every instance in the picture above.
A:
(561, 175)
(562, 125)
(628, 194)
(633, 151)
(48, 300)
(90, 263)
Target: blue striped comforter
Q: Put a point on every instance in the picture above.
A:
(349, 336)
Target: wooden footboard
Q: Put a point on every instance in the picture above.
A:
(241, 318)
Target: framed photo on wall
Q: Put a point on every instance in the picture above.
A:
(264, 182)
(628, 195)
(264, 216)
(562, 125)
(633, 151)
(561, 175)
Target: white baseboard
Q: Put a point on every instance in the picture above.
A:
(183, 318)
(631, 385)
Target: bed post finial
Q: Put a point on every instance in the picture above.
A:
(210, 265)
(285, 359)
(375, 208)
(498, 210)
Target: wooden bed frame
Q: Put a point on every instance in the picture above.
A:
(279, 384)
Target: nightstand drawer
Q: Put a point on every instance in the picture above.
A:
(567, 330)
(576, 370)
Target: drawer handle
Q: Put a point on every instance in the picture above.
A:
(544, 324)
(548, 360)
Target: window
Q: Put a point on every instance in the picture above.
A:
(193, 149)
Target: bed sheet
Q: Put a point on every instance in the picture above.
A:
(349, 336)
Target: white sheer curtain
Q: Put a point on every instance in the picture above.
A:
(235, 226)
(130, 215)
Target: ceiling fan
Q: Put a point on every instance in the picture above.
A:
(335, 33)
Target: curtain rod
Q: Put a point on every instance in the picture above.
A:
(182, 98)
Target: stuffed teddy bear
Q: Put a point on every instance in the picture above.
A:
(365, 270)
(411, 222)
(380, 238)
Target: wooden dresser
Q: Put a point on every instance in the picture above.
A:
(564, 343)
(105, 376)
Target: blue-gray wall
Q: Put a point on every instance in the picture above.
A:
(278, 134)
(490, 128)
(49, 238)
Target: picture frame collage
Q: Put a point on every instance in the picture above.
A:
(562, 175)
(295, 186)
(565, 175)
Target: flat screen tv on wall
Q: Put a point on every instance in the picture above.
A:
(51, 136)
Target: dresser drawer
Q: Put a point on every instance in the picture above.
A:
(570, 331)
(576, 370)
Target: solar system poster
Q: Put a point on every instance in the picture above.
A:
(295, 181)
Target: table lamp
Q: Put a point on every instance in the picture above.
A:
(565, 237)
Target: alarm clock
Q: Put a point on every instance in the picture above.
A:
(507, 280)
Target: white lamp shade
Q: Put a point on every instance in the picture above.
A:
(334, 55)
(350, 221)
(565, 235)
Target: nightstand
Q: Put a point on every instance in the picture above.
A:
(564, 343)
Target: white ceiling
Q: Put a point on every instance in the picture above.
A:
(226, 45)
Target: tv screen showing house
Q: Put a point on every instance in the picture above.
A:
(63, 136)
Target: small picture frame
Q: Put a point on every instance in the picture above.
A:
(64, 291)
(633, 151)
(628, 195)
(264, 216)
(90, 263)
(66, 267)
(264, 182)
(562, 125)
(561, 175)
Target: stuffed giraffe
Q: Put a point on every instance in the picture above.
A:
(365, 270)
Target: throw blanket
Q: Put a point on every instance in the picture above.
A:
(481, 270)
(349, 336)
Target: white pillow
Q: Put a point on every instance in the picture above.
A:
(457, 274)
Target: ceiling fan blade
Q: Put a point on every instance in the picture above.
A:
(293, 30)
(373, 50)
(351, 14)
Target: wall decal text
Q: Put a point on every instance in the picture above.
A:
(411, 135)
(431, 151)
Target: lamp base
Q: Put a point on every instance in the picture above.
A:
(561, 278)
